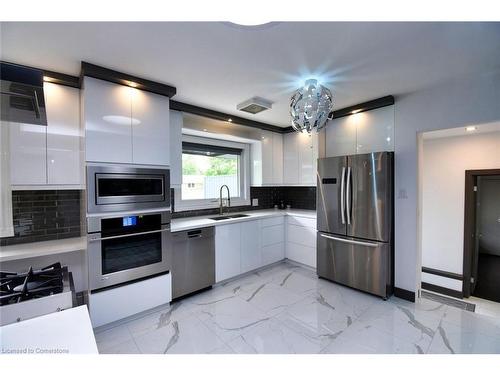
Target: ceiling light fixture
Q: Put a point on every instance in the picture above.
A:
(310, 106)
(230, 120)
(470, 128)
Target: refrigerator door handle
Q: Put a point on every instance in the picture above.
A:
(342, 196)
(353, 242)
(348, 196)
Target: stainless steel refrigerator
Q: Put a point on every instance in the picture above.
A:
(355, 200)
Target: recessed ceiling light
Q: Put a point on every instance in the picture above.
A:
(229, 120)
(47, 79)
(470, 128)
(355, 111)
(132, 84)
(204, 130)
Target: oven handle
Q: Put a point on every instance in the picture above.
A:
(128, 235)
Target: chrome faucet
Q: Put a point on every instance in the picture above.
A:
(228, 199)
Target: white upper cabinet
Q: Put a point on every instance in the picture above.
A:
(125, 125)
(176, 122)
(49, 155)
(300, 152)
(64, 155)
(361, 133)
(28, 154)
(108, 123)
(267, 159)
(150, 128)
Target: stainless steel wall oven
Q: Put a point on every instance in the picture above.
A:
(127, 247)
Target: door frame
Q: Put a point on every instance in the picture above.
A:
(470, 222)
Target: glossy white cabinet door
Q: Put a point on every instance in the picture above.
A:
(301, 254)
(150, 128)
(64, 157)
(227, 251)
(273, 253)
(341, 136)
(176, 122)
(307, 148)
(108, 123)
(290, 159)
(277, 158)
(267, 157)
(28, 154)
(251, 252)
(375, 130)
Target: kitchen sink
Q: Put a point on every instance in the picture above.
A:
(217, 218)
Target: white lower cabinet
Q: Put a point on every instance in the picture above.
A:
(251, 249)
(227, 251)
(301, 240)
(246, 246)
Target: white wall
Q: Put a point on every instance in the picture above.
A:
(445, 161)
(465, 101)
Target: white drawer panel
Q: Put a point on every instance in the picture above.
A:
(273, 253)
(302, 221)
(301, 254)
(301, 235)
(118, 303)
(278, 220)
(273, 235)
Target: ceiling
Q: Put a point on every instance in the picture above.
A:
(474, 129)
(218, 65)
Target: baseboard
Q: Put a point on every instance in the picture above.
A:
(442, 290)
(404, 294)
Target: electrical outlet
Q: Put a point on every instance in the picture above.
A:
(255, 202)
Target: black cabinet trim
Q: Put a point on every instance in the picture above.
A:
(404, 294)
(110, 75)
(61, 79)
(449, 275)
(216, 115)
(442, 290)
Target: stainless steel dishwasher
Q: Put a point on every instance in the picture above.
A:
(192, 260)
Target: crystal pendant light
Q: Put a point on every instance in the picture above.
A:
(310, 106)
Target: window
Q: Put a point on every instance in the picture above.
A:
(207, 164)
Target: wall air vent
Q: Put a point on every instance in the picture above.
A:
(254, 105)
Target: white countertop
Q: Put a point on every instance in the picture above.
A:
(189, 223)
(36, 249)
(68, 331)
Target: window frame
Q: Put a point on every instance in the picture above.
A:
(243, 170)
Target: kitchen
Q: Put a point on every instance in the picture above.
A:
(150, 219)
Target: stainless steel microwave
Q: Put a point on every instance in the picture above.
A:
(112, 188)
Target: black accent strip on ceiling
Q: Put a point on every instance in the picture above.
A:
(357, 108)
(99, 72)
(216, 115)
(61, 79)
(447, 274)
(210, 150)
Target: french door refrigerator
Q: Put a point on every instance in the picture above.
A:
(355, 245)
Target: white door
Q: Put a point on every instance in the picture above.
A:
(306, 165)
(64, 158)
(227, 251)
(28, 154)
(267, 157)
(341, 136)
(251, 252)
(176, 122)
(108, 123)
(150, 128)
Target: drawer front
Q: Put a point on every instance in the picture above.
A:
(301, 235)
(301, 254)
(273, 253)
(302, 221)
(278, 220)
(273, 235)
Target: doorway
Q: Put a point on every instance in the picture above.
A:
(482, 234)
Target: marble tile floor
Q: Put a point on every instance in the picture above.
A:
(287, 309)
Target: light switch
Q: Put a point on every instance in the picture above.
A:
(255, 202)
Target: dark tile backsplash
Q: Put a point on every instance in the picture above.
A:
(41, 215)
(296, 196)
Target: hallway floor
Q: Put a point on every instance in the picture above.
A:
(287, 309)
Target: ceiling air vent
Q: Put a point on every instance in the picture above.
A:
(254, 105)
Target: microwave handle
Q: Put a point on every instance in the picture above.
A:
(128, 235)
